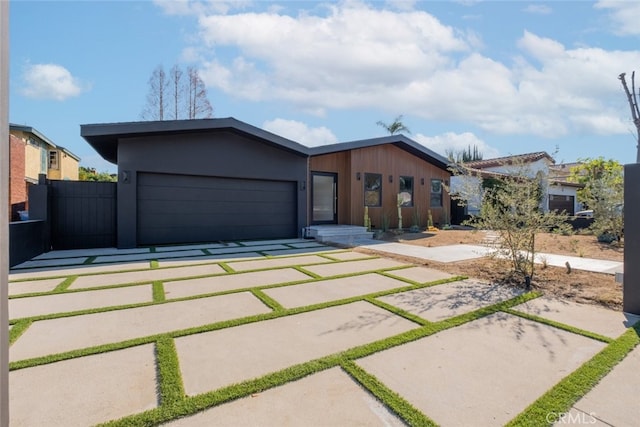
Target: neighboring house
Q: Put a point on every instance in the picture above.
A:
(33, 154)
(222, 179)
(559, 194)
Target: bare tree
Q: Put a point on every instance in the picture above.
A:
(177, 90)
(156, 97)
(199, 105)
(394, 127)
(633, 104)
(172, 97)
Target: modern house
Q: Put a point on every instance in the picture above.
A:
(559, 194)
(222, 179)
(33, 154)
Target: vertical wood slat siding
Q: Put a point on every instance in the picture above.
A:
(385, 160)
(83, 214)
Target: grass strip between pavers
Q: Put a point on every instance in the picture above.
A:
(391, 399)
(561, 397)
(169, 376)
(194, 404)
(64, 285)
(18, 329)
(90, 260)
(559, 325)
(158, 291)
(153, 264)
(267, 300)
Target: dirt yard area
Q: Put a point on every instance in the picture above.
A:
(578, 285)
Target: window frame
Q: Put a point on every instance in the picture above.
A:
(54, 159)
(371, 190)
(439, 198)
(404, 179)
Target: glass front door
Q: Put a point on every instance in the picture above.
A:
(325, 198)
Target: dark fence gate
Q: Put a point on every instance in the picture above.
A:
(83, 214)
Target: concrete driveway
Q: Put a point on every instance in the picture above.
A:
(293, 332)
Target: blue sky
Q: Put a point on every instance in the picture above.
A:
(509, 77)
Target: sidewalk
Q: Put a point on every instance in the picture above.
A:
(463, 252)
(315, 336)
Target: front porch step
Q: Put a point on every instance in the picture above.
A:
(323, 233)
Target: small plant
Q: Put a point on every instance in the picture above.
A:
(574, 245)
(429, 219)
(367, 219)
(399, 201)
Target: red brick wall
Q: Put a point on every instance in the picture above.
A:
(17, 184)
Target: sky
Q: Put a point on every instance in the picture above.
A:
(508, 77)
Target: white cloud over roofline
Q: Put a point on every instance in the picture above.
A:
(352, 55)
(300, 132)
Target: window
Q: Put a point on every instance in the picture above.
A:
(406, 191)
(436, 193)
(53, 159)
(372, 189)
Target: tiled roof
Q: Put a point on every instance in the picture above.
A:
(509, 160)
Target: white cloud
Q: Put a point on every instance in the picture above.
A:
(624, 15)
(50, 81)
(539, 9)
(351, 55)
(456, 142)
(300, 132)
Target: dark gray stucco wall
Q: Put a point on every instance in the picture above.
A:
(631, 285)
(218, 153)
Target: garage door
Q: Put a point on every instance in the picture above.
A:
(185, 209)
(561, 203)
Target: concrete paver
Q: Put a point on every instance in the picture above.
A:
(615, 399)
(254, 248)
(84, 391)
(328, 398)
(174, 262)
(146, 256)
(207, 285)
(298, 251)
(61, 303)
(441, 253)
(71, 253)
(349, 267)
(348, 256)
(332, 289)
(81, 269)
(215, 359)
(420, 274)
(476, 374)
(45, 285)
(276, 262)
(191, 247)
(144, 276)
(44, 263)
(271, 242)
(53, 336)
(308, 244)
(600, 320)
(448, 300)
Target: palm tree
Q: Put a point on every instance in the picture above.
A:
(395, 127)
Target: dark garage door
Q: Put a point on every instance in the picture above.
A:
(561, 203)
(185, 209)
